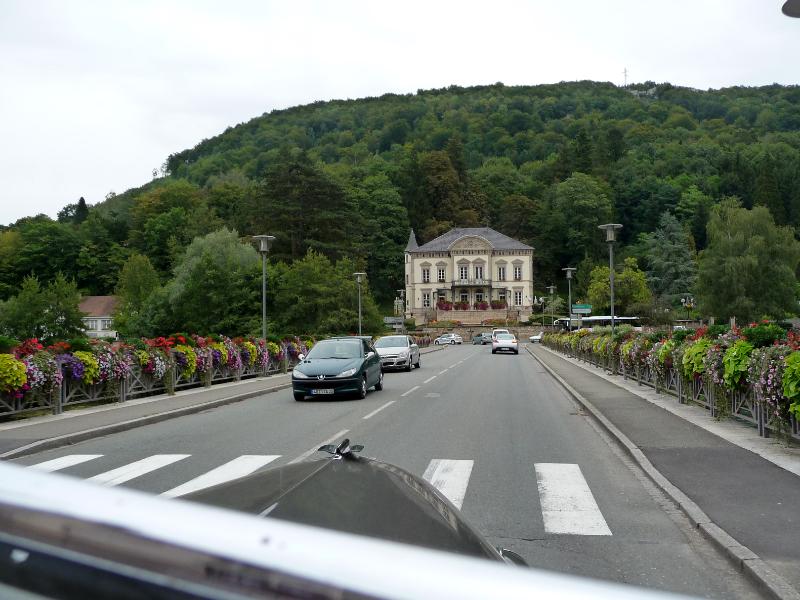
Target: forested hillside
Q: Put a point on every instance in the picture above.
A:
(544, 164)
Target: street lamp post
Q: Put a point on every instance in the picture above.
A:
(569, 271)
(358, 280)
(551, 289)
(611, 237)
(688, 303)
(264, 244)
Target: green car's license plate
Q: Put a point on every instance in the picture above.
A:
(321, 391)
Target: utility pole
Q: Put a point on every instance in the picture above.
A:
(625, 72)
(551, 289)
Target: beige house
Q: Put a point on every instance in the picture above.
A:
(98, 320)
(468, 265)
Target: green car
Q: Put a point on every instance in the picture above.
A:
(345, 366)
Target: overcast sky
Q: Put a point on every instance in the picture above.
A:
(94, 95)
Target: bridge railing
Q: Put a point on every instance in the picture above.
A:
(137, 384)
(743, 405)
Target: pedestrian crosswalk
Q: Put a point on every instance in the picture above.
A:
(567, 504)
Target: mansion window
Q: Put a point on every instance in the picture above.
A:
(106, 325)
(426, 300)
(463, 272)
(501, 273)
(426, 275)
(478, 272)
(501, 295)
(517, 298)
(478, 296)
(464, 296)
(517, 273)
(441, 274)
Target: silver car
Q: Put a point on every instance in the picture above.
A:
(505, 342)
(398, 352)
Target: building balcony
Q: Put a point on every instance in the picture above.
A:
(471, 282)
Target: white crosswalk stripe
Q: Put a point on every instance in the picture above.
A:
(238, 467)
(450, 477)
(137, 469)
(64, 461)
(568, 505)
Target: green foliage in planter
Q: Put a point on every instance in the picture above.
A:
(735, 363)
(693, 357)
(12, 373)
(91, 368)
(665, 350)
(657, 336)
(764, 334)
(80, 344)
(791, 377)
(679, 336)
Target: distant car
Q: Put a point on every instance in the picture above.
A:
(449, 338)
(337, 367)
(398, 352)
(496, 331)
(482, 338)
(536, 337)
(505, 342)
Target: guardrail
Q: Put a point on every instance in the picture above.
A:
(137, 384)
(743, 405)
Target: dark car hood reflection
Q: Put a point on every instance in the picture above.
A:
(356, 495)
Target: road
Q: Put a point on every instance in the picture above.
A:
(494, 433)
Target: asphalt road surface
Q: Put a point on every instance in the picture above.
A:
(494, 433)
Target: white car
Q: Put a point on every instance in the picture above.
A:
(496, 331)
(448, 338)
(503, 342)
(536, 337)
(398, 352)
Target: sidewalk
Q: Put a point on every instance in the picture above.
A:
(723, 468)
(34, 434)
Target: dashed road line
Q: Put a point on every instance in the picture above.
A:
(137, 469)
(63, 462)
(443, 372)
(414, 389)
(429, 379)
(311, 451)
(377, 410)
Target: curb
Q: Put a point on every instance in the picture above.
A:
(744, 559)
(86, 434)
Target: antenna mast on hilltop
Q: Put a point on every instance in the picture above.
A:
(625, 72)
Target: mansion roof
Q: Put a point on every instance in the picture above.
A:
(444, 242)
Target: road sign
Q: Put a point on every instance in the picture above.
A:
(582, 309)
(393, 320)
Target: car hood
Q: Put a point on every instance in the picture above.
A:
(330, 367)
(355, 495)
(391, 350)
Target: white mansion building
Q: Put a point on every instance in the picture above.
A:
(470, 266)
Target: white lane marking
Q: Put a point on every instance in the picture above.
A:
(453, 366)
(311, 451)
(377, 410)
(450, 477)
(429, 379)
(414, 389)
(238, 467)
(443, 372)
(65, 461)
(568, 505)
(137, 469)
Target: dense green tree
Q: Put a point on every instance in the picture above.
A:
(671, 266)
(314, 295)
(304, 208)
(630, 288)
(748, 269)
(137, 281)
(215, 289)
(48, 314)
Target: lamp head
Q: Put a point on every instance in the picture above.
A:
(264, 242)
(569, 271)
(611, 231)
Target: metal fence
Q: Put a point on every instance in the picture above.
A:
(138, 384)
(744, 405)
